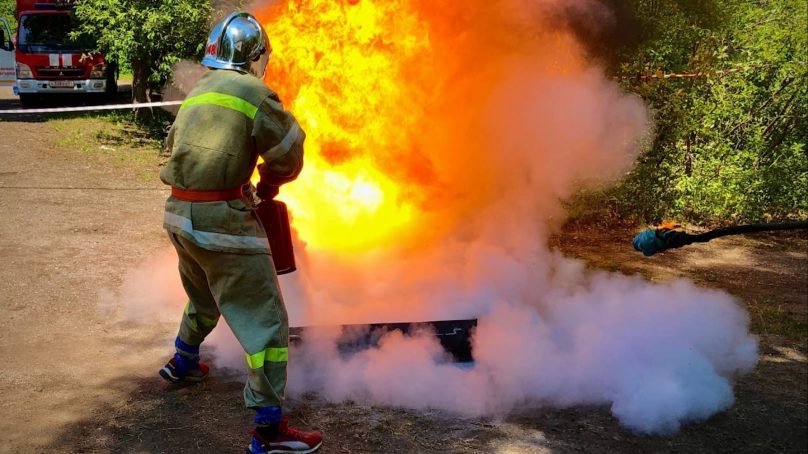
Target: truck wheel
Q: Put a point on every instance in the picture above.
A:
(112, 81)
(28, 99)
(112, 87)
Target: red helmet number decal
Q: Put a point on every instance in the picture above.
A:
(211, 50)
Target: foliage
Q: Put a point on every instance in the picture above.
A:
(7, 11)
(149, 36)
(730, 145)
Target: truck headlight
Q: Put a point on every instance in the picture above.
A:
(24, 71)
(99, 71)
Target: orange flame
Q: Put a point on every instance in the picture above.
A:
(397, 101)
(669, 225)
(440, 136)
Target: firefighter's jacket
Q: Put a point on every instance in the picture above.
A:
(224, 124)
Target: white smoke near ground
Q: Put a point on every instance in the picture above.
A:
(506, 139)
(611, 341)
(659, 354)
(149, 292)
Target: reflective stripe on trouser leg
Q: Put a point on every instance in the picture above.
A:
(265, 375)
(262, 368)
(271, 354)
(248, 295)
(201, 312)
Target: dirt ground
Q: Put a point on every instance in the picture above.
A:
(74, 380)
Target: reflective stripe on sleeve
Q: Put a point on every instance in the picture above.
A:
(272, 354)
(222, 100)
(286, 144)
(214, 238)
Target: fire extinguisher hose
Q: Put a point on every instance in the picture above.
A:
(653, 241)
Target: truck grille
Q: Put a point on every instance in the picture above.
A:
(48, 73)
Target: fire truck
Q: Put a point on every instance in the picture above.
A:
(49, 61)
(7, 71)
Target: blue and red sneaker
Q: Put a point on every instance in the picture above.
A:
(281, 439)
(181, 369)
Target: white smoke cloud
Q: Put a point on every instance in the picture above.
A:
(150, 292)
(660, 355)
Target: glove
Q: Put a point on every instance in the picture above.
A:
(266, 191)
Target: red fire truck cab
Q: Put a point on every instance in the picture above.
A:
(49, 61)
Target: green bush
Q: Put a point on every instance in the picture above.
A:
(730, 144)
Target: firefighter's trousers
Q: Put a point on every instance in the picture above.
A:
(244, 289)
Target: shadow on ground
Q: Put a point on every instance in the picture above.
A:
(768, 271)
(770, 415)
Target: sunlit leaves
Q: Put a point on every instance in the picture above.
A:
(156, 33)
(730, 144)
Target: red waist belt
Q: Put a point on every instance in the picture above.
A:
(188, 195)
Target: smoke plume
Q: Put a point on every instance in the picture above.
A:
(493, 115)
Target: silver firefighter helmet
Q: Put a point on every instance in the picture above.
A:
(239, 43)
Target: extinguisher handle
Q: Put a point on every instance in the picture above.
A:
(266, 191)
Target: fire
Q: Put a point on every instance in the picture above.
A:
(342, 68)
(669, 225)
(410, 109)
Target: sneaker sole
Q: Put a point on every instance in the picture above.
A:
(166, 374)
(285, 451)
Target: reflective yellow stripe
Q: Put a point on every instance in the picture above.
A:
(272, 354)
(222, 100)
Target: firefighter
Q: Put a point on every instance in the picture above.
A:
(227, 121)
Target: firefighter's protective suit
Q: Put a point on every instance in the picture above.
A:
(227, 121)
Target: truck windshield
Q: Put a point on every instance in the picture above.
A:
(48, 33)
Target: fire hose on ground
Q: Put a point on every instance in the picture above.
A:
(654, 241)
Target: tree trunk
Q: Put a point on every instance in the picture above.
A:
(140, 89)
(688, 155)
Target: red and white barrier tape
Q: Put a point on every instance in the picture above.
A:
(638, 76)
(89, 108)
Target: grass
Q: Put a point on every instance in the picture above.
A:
(771, 320)
(113, 138)
(125, 78)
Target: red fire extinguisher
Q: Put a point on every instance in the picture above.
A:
(275, 218)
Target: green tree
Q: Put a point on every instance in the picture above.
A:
(149, 36)
(730, 144)
(7, 11)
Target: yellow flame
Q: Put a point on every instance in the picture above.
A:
(346, 208)
(341, 66)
